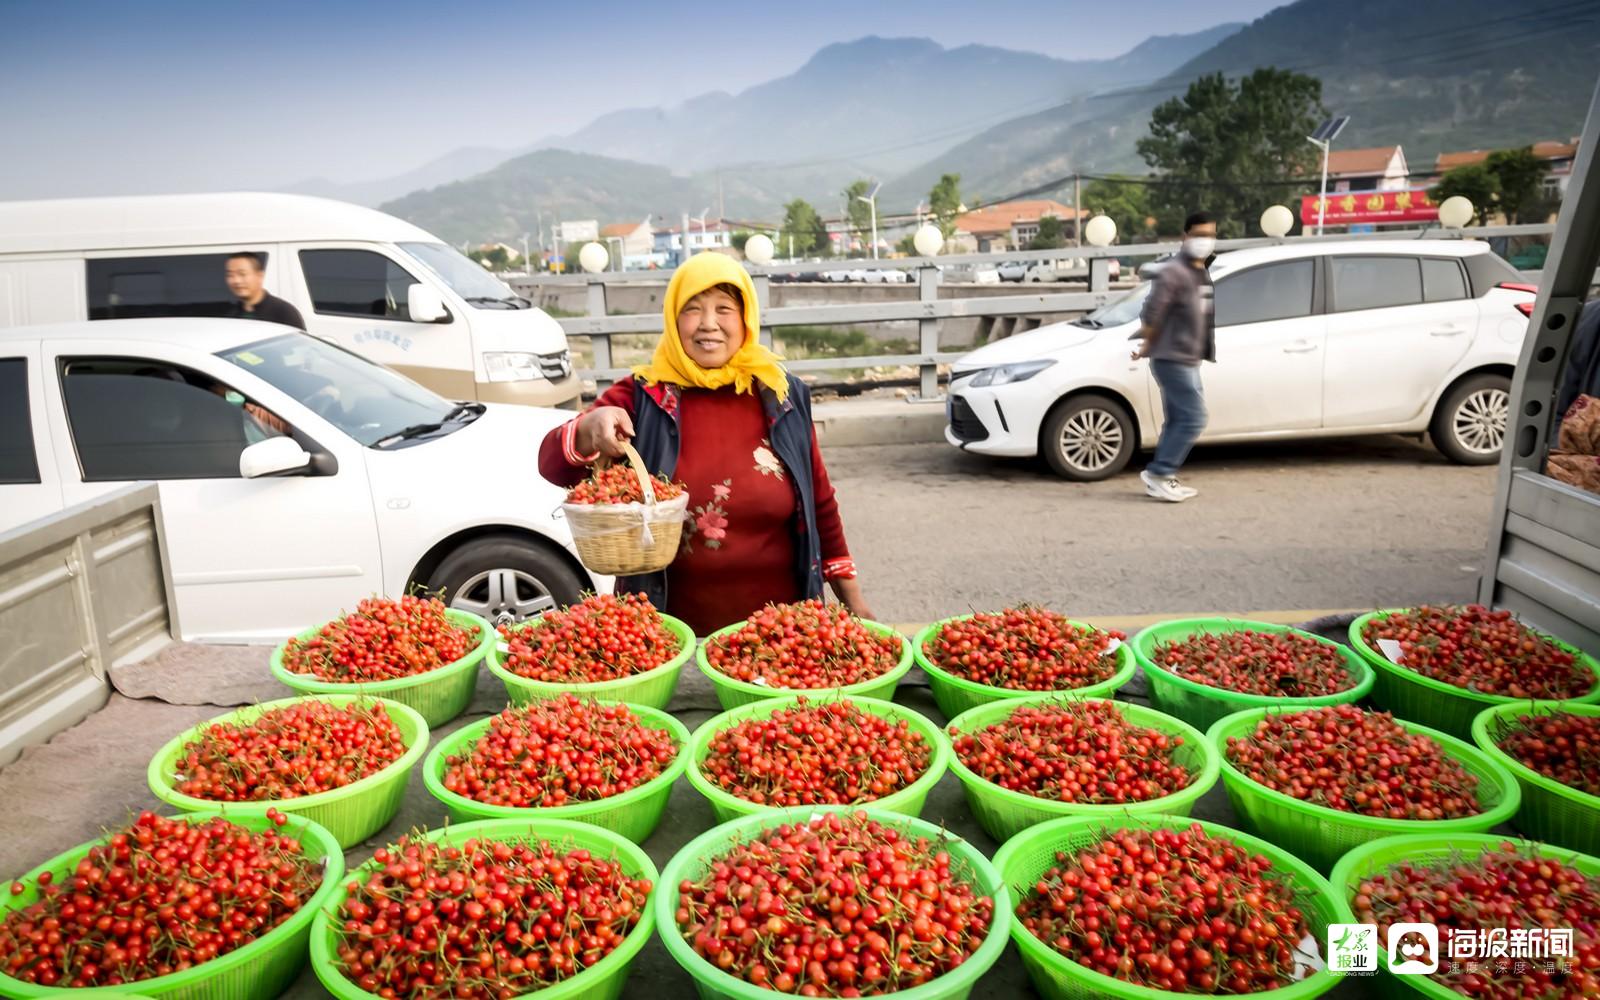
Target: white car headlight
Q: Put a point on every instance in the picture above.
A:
(1021, 371)
(511, 366)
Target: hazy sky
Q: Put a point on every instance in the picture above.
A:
(101, 97)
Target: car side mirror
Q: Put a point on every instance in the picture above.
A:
(425, 304)
(274, 457)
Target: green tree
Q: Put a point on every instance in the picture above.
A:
(1520, 175)
(945, 202)
(1474, 182)
(1223, 144)
(857, 211)
(1127, 203)
(802, 224)
(1051, 236)
(496, 257)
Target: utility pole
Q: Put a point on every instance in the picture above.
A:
(683, 240)
(1077, 213)
(527, 264)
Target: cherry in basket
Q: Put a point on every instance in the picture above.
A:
(618, 484)
(382, 639)
(808, 645)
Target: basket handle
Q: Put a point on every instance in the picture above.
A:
(646, 485)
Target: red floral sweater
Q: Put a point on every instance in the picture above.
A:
(739, 541)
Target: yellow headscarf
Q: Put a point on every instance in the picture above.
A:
(751, 363)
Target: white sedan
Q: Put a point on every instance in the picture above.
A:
(1313, 340)
(296, 477)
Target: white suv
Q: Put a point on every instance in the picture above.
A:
(1313, 340)
(295, 477)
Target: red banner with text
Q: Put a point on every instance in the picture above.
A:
(1367, 207)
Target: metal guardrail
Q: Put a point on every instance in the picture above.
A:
(928, 309)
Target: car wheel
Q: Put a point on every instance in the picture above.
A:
(1088, 438)
(1469, 426)
(505, 578)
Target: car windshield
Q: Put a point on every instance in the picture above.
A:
(467, 279)
(366, 401)
(1118, 312)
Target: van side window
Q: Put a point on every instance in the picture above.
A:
(137, 418)
(18, 462)
(1375, 282)
(1272, 291)
(1442, 280)
(177, 285)
(356, 283)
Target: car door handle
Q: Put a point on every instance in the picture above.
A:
(1447, 332)
(1302, 349)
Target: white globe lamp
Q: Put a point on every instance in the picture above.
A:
(1276, 221)
(1100, 231)
(593, 258)
(928, 240)
(758, 250)
(1455, 212)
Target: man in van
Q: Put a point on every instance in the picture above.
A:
(1179, 332)
(245, 274)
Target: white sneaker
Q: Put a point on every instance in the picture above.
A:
(1168, 489)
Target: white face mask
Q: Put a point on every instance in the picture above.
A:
(1199, 247)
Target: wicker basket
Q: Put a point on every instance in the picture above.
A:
(623, 539)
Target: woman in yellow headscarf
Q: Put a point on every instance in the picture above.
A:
(716, 411)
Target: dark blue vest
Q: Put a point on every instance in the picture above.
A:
(656, 438)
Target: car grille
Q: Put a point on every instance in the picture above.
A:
(555, 367)
(964, 423)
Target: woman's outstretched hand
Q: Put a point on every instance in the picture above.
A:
(848, 591)
(603, 430)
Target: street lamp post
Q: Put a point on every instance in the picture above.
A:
(1323, 138)
(872, 202)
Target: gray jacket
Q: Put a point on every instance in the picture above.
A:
(1179, 309)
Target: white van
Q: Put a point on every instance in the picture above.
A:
(362, 279)
(296, 477)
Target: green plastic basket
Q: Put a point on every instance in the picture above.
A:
(351, 814)
(1550, 811)
(1379, 855)
(603, 980)
(263, 968)
(1320, 834)
(714, 984)
(652, 688)
(1201, 705)
(1442, 706)
(633, 814)
(438, 695)
(957, 694)
(732, 693)
(908, 800)
(1004, 812)
(1027, 856)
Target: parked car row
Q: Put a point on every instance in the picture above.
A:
(1313, 340)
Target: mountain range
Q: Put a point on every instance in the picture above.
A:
(1429, 74)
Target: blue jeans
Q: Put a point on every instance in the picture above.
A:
(1185, 407)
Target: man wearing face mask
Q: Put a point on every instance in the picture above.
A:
(1178, 333)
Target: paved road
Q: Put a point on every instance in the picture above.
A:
(1304, 525)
